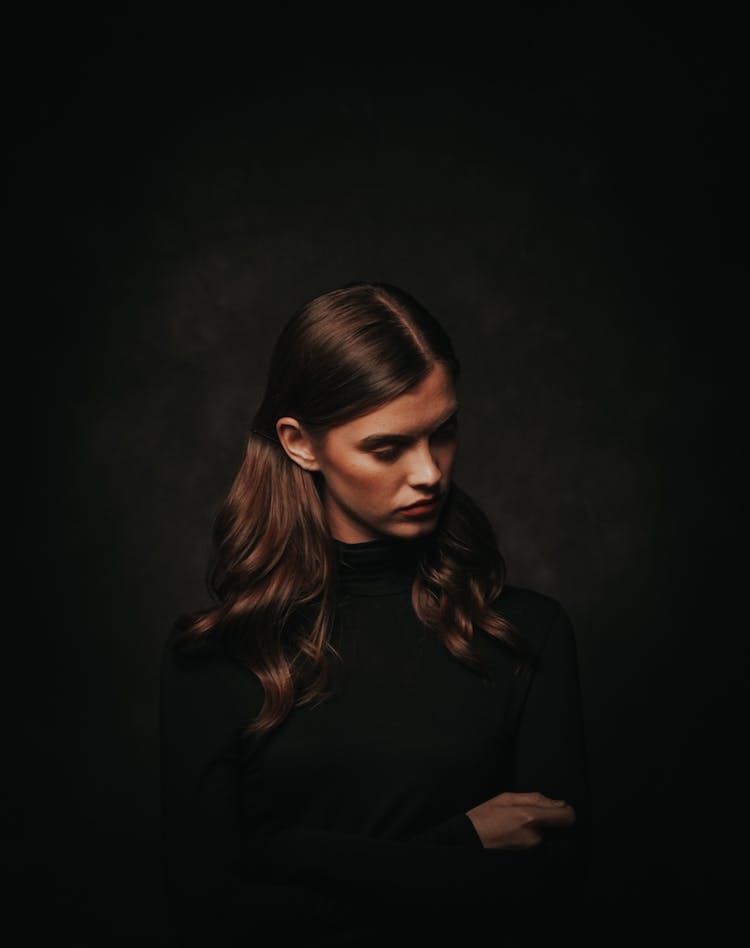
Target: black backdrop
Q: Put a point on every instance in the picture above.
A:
(561, 198)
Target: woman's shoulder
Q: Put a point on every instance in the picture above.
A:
(202, 670)
(537, 615)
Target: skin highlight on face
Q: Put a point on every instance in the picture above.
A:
(373, 466)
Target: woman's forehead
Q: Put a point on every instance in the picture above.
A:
(420, 409)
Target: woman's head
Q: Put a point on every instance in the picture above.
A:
(361, 394)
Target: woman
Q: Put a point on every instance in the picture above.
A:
(367, 731)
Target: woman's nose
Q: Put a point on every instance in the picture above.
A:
(423, 469)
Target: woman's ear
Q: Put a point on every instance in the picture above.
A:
(297, 443)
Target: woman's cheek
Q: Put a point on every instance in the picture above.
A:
(358, 477)
(377, 482)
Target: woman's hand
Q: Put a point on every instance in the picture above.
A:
(519, 820)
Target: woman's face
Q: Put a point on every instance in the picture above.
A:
(391, 458)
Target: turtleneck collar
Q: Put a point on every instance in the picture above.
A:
(378, 567)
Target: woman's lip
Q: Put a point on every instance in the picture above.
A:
(422, 503)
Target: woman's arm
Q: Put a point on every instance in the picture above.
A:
(549, 747)
(203, 703)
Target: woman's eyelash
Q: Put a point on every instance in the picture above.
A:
(389, 454)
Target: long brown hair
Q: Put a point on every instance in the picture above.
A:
(273, 565)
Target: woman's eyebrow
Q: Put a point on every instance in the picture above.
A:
(374, 440)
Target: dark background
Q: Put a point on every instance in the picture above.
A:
(560, 194)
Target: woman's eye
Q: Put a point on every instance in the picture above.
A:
(390, 454)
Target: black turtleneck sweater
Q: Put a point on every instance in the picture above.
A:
(348, 824)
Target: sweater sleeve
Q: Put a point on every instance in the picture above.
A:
(209, 896)
(549, 747)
